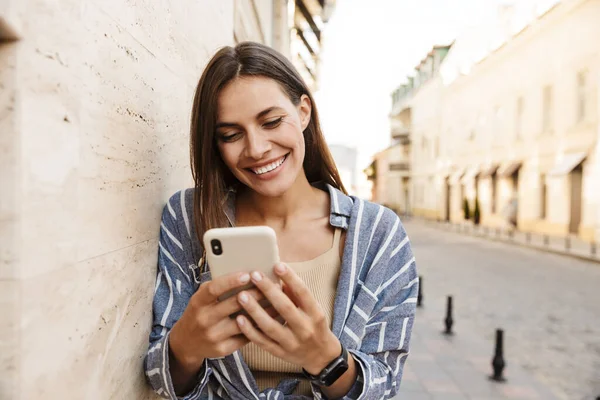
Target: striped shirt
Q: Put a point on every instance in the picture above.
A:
(373, 312)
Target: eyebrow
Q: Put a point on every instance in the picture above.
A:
(258, 116)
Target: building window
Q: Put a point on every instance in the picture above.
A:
(543, 197)
(519, 118)
(582, 94)
(547, 104)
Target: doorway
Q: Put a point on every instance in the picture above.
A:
(576, 197)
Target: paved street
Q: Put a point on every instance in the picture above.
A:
(548, 305)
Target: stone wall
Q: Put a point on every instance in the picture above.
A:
(95, 101)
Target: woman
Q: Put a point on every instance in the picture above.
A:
(348, 290)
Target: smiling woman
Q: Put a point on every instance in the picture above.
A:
(338, 323)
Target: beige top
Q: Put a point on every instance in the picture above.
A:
(321, 276)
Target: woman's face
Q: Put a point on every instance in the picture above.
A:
(259, 134)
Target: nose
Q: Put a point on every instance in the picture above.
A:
(257, 145)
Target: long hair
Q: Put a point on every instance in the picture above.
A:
(211, 176)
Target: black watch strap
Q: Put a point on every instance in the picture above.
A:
(332, 371)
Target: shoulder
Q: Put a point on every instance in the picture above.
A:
(179, 208)
(369, 213)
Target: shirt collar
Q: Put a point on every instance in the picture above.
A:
(339, 214)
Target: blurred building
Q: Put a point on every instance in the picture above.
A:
(402, 173)
(346, 160)
(307, 21)
(508, 118)
(94, 134)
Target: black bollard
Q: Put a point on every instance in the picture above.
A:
(498, 363)
(448, 321)
(567, 243)
(593, 251)
(420, 293)
(528, 237)
(546, 240)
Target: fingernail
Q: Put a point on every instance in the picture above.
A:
(280, 268)
(240, 320)
(245, 278)
(256, 276)
(243, 297)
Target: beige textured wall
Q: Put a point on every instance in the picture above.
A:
(95, 100)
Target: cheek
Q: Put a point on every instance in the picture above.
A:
(293, 133)
(228, 154)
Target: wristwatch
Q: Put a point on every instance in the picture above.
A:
(331, 372)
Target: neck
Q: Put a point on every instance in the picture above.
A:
(279, 210)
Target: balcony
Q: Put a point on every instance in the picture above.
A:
(400, 132)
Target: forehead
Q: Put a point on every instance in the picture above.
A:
(245, 97)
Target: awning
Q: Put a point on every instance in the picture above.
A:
(489, 171)
(470, 174)
(455, 177)
(509, 168)
(568, 163)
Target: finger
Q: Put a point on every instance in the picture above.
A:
(282, 303)
(259, 338)
(232, 305)
(210, 291)
(298, 289)
(289, 293)
(223, 330)
(230, 345)
(267, 324)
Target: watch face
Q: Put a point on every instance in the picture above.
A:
(336, 371)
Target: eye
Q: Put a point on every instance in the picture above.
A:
(273, 123)
(232, 137)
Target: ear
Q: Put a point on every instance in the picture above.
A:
(304, 110)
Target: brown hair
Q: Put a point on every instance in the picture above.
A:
(211, 176)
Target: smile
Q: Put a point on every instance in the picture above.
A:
(269, 167)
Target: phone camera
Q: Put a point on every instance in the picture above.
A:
(216, 247)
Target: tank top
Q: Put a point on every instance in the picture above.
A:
(321, 276)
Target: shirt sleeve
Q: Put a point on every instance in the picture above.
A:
(384, 346)
(173, 290)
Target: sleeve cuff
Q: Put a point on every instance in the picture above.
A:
(358, 390)
(201, 378)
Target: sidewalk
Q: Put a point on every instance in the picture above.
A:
(568, 246)
(457, 368)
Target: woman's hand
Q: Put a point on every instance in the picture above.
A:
(205, 329)
(305, 339)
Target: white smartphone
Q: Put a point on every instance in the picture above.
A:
(241, 249)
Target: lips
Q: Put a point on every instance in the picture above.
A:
(269, 167)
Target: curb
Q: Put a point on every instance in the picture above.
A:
(467, 230)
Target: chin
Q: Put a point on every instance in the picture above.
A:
(272, 189)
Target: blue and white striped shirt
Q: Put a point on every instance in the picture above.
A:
(373, 312)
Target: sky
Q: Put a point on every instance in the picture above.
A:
(369, 48)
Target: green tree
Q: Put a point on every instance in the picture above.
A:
(466, 209)
(476, 212)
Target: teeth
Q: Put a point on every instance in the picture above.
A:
(268, 167)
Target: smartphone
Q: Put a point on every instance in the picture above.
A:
(241, 249)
